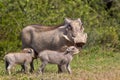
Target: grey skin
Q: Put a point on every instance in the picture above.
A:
(39, 38)
(59, 58)
(22, 58)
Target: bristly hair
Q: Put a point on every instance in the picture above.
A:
(42, 28)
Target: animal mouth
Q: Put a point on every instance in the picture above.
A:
(79, 44)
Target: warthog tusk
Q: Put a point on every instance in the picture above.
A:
(66, 37)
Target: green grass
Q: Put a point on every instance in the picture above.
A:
(89, 65)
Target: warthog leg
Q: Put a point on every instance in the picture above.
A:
(42, 67)
(59, 69)
(31, 66)
(9, 68)
(26, 67)
(68, 68)
(22, 68)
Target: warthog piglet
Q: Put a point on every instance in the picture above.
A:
(59, 58)
(22, 58)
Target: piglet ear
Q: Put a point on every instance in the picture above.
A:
(30, 51)
(66, 52)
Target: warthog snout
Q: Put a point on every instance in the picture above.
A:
(80, 39)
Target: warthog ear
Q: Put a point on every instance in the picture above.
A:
(68, 50)
(30, 51)
(67, 20)
(82, 28)
(79, 20)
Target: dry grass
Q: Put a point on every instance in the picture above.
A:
(76, 75)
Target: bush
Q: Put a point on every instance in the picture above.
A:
(110, 37)
(16, 14)
(9, 46)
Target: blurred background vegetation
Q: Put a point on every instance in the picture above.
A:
(101, 19)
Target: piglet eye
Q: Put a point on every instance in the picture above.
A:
(73, 48)
(29, 51)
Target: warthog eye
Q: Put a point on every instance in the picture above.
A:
(82, 24)
(69, 27)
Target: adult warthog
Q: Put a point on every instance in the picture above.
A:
(40, 37)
